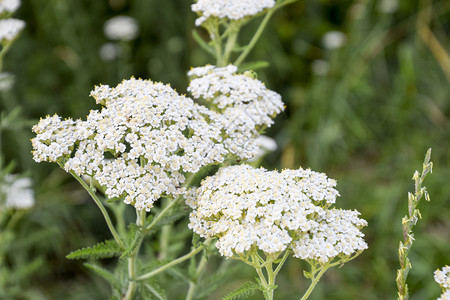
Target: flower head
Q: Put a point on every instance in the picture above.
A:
(10, 28)
(247, 209)
(139, 145)
(9, 6)
(230, 9)
(442, 277)
(123, 28)
(246, 104)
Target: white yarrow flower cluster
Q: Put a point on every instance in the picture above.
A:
(153, 134)
(9, 6)
(245, 103)
(248, 209)
(10, 28)
(123, 28)
(230, 9)
(442, 277)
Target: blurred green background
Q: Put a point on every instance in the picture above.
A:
(364, 111)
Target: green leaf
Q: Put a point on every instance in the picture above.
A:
(106, 249)
(105, 274)
(171, 218)
(155, 291)
(244, 291)
(133, 239)
(254, 65)
(202, 43)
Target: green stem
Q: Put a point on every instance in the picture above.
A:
(231, 41)
(169, 206)
(259, 31)
(254, 39)
(316, 279)
(193, 284)
(171, 264)
(164, 238)
(102, 208)
(281, 263)
(140, 219)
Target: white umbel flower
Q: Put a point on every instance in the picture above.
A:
(245, 103)
(153, 134)
(10, 28)
(123, 28)
(230, 9)
(247, 208)
(442, 277)
(9, 6)
(19, 192)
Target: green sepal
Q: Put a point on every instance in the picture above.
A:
(307, 274)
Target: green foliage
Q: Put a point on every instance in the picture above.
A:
(366, 122)
(244, 291)
(105, 274)
(152, 290)
(106, 249)
(133, 238)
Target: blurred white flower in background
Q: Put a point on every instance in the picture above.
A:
(333, 39)
(9, 5)
(123, 28)
(19, 192)
(265, 145)
(387, 6)
(6, 81)
(320, 67)
(231, 9)
(10, 28)
(109, 51)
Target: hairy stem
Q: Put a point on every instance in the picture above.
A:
(171, 264)
(140, 219)
(102, 208)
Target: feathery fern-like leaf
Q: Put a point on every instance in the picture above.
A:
(244, 291)
(155, 291)
(106, 249)
(133, 237)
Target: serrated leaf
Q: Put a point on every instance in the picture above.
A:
(106, 249)
(245, 290)
(105, 274)
(156, 290)
(171, 218)
(133, 238)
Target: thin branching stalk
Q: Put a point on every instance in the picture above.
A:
(171, 264)
(193, 283)
(140, 219)
(408, 222)
(101, 207)
(259, 31)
